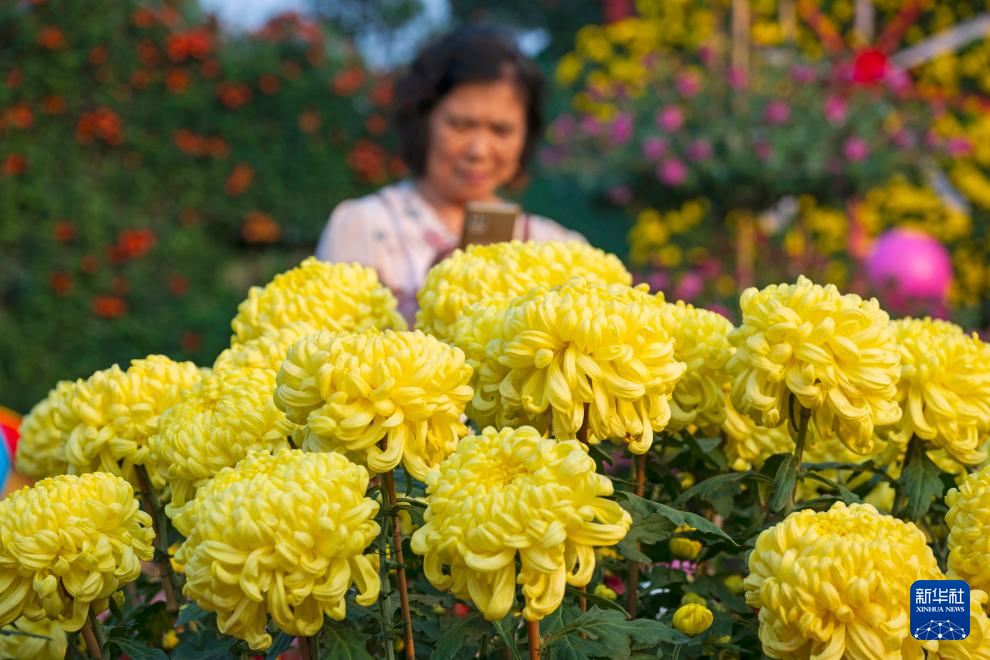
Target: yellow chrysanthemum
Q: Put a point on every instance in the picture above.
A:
(328, 296)
(507, 269)
(835, 584)
(693, 619)
(265, 351)
(66, 544)
(354, 390)
(701, 341)
(108, 418)
(969, 530)
(944, 388)
(747, 445)
(581, 346)
(512, 492)
(807, 345)
(36, 648)
(214, 426)
(39, 451)
(283, 536)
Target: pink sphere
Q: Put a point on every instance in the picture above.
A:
(909, 265)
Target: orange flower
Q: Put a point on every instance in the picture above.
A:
(367, 159)
(376, 124)
(217, 147)
(260, 227)
(53, 104)
(210, 69)
(177, 80)
(143, 18)
(348, 81)
(268, 83)
(60, 283)
(89, 264)
(309, 121)
(239, 180)
(64, 231)
(135, 243)
(102, 124)
(188, 142)
(195, 43)
(13, 164)
(109, 307)
(98, 55)
(233, 95)
(382, 92)
(52, 38)
(19, 116)
(191, 341)
(178, 285)
(148, 53)
(140, 79)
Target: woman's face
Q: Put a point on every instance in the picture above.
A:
(477, 134)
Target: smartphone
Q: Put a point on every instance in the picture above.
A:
(489, 222)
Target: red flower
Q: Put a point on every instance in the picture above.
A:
(217, 147)
(140, 79)
(233, 95)
(53, 104)
(119, 285)
(178, 285)
(89, 264)
(870, 66)
(108, 307)
(102, 124)
(148, 53)
(19, 116)
(195, 43)
(210, 69)
(64, 231)
(97, 56)
(191, 341)
(143, 18)
(367, 159)
(189, 142)
(135, 243)
(13, 164)
(376, 124)
(60, 282)
(268, 84)
(52, 38)
(382, 92)
(348, 81)
(309, 121)
(177, 80)
(14, 78)
(239, 180)
(260, 227)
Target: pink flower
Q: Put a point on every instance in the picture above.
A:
(763, 150)
(855, 149)
(777, 112)
(672, 172)
(670, 119)
(562, 128)
(689, 287)
(835, 109)
(737, 79)
(591, 125)
(803, 74)
(654, 148)
(699, 150)
(904, 139)
(621, 129)
(687, 84)
(620, 195)
(959, 146)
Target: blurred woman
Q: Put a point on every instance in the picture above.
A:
(469, 114)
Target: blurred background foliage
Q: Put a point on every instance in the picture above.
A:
(154, 166)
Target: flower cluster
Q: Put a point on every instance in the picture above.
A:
(329, 296)
(701, 342)
(39, 452)
(810, 346)
(944, 388)
(507, 269)
(580, 354)
(50, 644)
(835, 583)
(67, 544)
(283, 536)
(510, 493)
(746, 444)
(107, 419)
(969, 528)
(380, 397)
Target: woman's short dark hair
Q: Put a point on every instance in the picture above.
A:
(470, 54)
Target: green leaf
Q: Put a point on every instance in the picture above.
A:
(845, 494)
(608, 633)
(601, 602)
(675, 516)
(138, 650)
(717, 486)
(506, 629)
(647, 530)
(342, 643)
(456, 638)
(920, 481)
(783, 483)
(190, 612)
(281, 644)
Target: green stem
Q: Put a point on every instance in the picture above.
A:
(805, 417)
(160, 526)
(901, 503)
